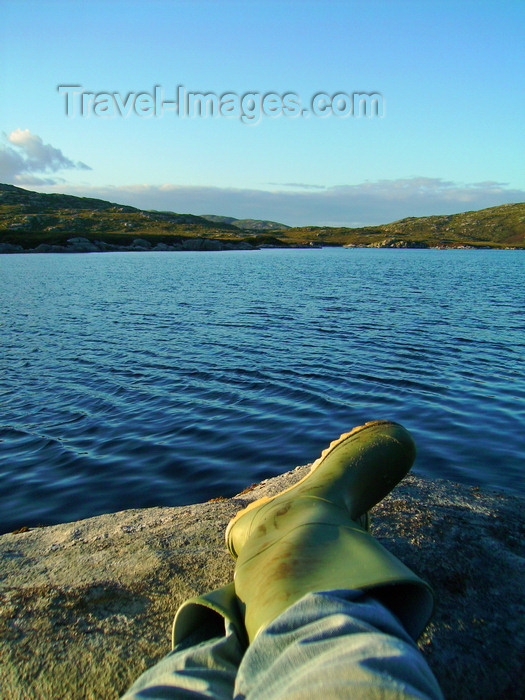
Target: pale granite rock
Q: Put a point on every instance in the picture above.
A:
(87, 606)
(81, 245)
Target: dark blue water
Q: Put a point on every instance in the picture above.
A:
(141, 379)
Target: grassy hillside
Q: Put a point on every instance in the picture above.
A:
(497, 227)
(31, 218)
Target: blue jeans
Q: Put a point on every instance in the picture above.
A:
(336, 644)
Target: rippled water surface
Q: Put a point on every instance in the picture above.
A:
(140, 379)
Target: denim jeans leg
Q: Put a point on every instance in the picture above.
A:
(194, 669)
(336, 644)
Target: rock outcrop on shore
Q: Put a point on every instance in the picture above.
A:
(84, 245)
(87, 606)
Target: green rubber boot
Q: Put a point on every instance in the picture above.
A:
(208, 612)
(313, 536)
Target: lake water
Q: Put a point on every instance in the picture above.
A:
(142, 379)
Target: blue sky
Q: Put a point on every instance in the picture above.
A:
(451, 76)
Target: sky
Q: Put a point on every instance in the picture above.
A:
(446, 135)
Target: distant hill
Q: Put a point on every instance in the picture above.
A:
(29, 219)
(497, 227)
(249, 224)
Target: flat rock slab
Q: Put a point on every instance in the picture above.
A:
(87, 606)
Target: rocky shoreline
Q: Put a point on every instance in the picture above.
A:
(84, 245)
(87, 606)
(140, 245)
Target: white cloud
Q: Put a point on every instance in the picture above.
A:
(364, 204)
(27, 155)
(298, 185)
